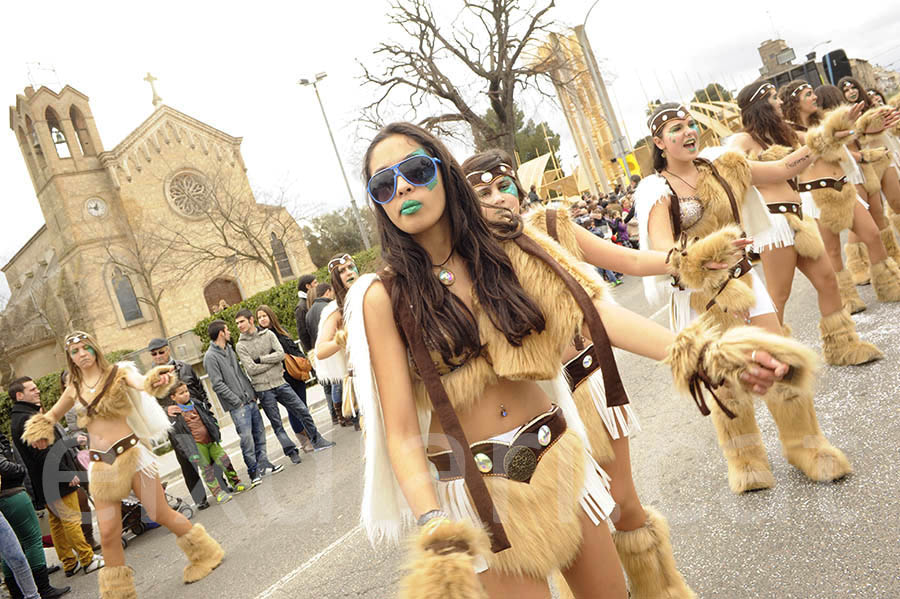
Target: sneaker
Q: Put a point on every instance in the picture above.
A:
(256, 481)
(223, 497)
(271, 470)
(323, 444)
(73, 571)
(295, 458)
(619, 282)
(203, 504)
(95, 564)
(238, 487)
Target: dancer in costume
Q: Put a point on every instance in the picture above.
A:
(331, 341)
(485, 311)
(701, 205)
(641, 533)
(114, 404)
(793, 241)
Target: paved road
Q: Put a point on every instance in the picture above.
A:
(297, 534)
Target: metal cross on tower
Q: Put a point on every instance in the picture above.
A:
(151, 80)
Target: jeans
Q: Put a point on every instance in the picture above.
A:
(14, 558)
(249, 425)
(326, 388)
(299, 388)
(19, 512)
(337, 393)
(284, 395)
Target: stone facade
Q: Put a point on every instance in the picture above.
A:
(112, 218)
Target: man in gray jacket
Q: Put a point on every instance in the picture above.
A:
(237, 397)
(262, 355)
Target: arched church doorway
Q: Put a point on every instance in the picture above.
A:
(221, 293)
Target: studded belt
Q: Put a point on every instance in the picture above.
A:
(835, 184)
(121, 446)
(579, 368)
(516, 460)
(786, 208)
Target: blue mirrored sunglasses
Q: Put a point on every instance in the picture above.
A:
(419, 170)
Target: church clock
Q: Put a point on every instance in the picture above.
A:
(96, 207)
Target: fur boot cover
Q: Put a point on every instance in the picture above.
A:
(849, 296)
(836, 207)
(38, 427)
(858, 262)
(742, 447)
(807, 239)
(841, 346)
(805, 447)
(876, 163)
(890, 243)
(646, 555)
(116, 582)
(440, 564)
(202, 551)
(112, 483)
(153, 377)
(886, 280)
(821, 139)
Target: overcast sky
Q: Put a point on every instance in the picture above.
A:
(235, 66)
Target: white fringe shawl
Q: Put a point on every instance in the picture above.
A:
(147, 418)
(332, 369)
(384, 512)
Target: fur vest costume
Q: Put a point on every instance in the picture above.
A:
(332, 369)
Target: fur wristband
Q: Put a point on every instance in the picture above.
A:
(440, 565)
(153, 377)
(689, 264)
(821, 139)
(38, 427)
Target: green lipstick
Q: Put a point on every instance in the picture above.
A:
(410, 207)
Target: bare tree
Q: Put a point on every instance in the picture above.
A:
(496, 41)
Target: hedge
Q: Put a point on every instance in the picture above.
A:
(281, 298)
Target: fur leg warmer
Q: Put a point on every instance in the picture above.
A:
(646, 555)
(152, 379)
(841, 346)
(202, 551)
(441, 563)
(741, 443)
(116, 582)
(805, 447)
(886, 280)
(858, 262)
(890, 243)
(38, 428)
(849, 296)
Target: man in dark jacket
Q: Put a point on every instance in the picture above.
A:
(180, 438)
(55, 476)
(16, 507)
(305, 285)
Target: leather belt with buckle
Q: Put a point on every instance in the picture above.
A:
(109, 456)
(835, 184)
(786, 208)
(517, 460)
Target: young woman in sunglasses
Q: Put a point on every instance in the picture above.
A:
(793, 241)
(699, 204)
(114, 403)
(331, 341)
(456, 348)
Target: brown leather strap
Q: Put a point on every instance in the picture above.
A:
(612, 382)
(581, 367)
(737, 271)
(786, 208)
(735, 212)
(700, 379)
(552, 224)
(826, 183)
(92, 407)
(481, 498)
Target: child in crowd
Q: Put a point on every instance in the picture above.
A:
(205, 431)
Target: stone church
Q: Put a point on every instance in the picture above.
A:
(134, 241)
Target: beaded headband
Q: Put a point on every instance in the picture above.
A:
(760, 92)
(847, 84)
(657, 122)
(76, 337)
(800, 89)
(487, 177)
(339, 261)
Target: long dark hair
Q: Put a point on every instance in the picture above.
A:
(659, 161)
(340, 292)
(790, 103)
(762, 122)
(446, 322)
(861, 97)
(829, 97)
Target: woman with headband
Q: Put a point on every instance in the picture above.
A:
(114, 403)
(331, 341)
(698, 206)
(793, 242)
(456, 348)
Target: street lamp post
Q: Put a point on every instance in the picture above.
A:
(356, 215)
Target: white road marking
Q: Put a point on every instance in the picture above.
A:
(311, 561)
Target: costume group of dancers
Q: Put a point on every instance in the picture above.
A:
(496, 426)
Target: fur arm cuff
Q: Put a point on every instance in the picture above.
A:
(340, 337)
(441, 562)
(687, 264)
(38, 427)
(873, 154)
(871, 123)
(153, 377)
(821, 139)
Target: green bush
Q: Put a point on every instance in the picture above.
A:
(281, 298)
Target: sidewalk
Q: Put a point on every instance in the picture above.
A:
(170, 471)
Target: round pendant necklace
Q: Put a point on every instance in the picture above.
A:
(445, 275)
(90, 388)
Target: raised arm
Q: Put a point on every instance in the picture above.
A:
(405, 446)
(331, 342)
(779, 171)
(606, 254)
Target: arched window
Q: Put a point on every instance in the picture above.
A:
(56, 134)
(128, 301)
(81, 131)
(35, 142)
(281, 258)
(26, 149)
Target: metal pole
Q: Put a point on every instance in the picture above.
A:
(356, 214)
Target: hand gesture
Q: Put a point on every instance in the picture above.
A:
(41, 444)
(762, 372)
(738, 245)
(164, 377)
(173, 411)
